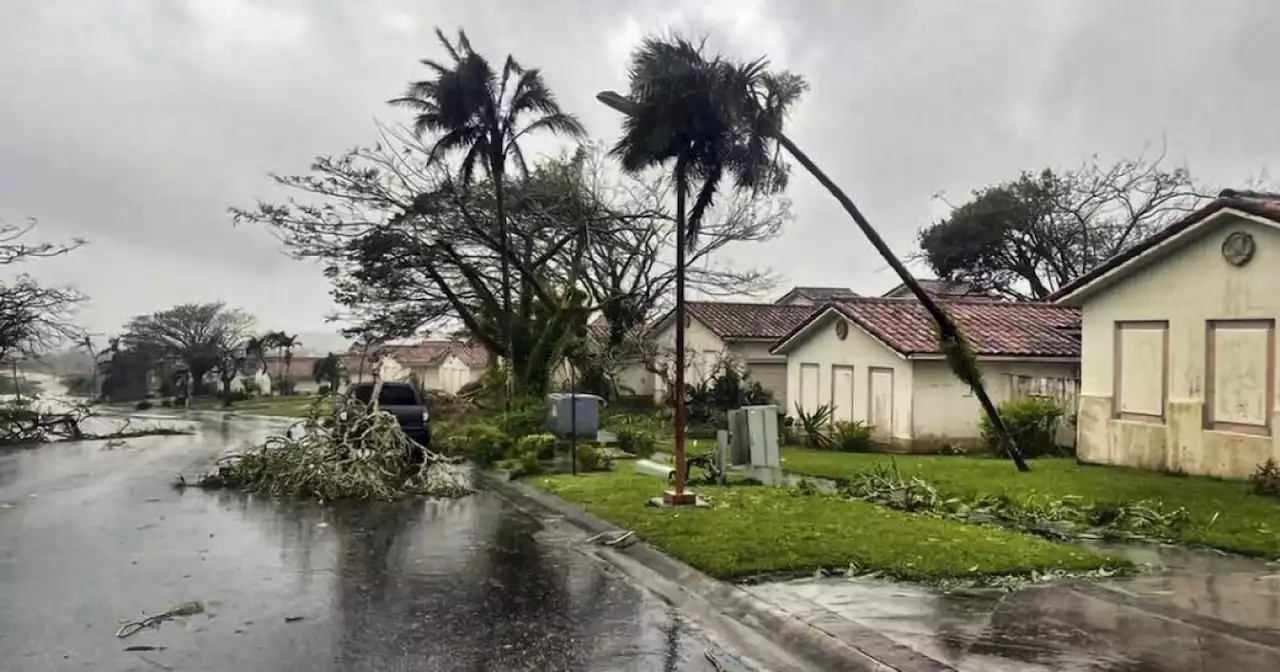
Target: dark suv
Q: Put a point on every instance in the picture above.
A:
(403, 401)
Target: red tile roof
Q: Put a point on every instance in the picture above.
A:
(424, 353)
(1257, 203)
(819, 293)
(743, 320)
(937, 288)
(1009, 329)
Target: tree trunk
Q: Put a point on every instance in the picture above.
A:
(682, 184)
(505, 265)
(945, 326)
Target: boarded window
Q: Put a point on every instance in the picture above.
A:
(1240, 375)
(809, 387)
(1141, 370)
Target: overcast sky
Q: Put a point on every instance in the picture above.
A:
(136, 123)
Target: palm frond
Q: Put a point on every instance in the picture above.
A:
(702, 203)
(448, 46)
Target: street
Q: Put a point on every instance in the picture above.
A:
(93, 535)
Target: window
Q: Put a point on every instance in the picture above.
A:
(1141, 370)
(1240, 373)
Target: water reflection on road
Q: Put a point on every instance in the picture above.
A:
(90, 535)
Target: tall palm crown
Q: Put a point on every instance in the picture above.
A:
(713, 117)
(482, 113)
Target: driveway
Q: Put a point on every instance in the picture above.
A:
(93, 534)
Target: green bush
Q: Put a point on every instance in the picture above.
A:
(851, 436)
(1032, 422)
(1266, 479)
(813, 426)
(486, 443)
(541, 446)
(591, 457)
(637, 442)
(527, 416)
(323, 389)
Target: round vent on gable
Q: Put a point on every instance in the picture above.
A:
(842, 330)
(1238, 248)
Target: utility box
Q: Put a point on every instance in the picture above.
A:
(753, 436)
(565, 421)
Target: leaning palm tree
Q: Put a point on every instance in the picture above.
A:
(484, 115)
(758, 105)
(682, 114)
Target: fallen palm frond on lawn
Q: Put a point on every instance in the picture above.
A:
(1057, 518)
(343, 449)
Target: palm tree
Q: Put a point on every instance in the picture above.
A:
(484, 115)
(758, 105)
(680, 112)
(286, 343)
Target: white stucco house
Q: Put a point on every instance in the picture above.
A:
(437, 365)
(875, 360)
(740, 333)
(1179, 344)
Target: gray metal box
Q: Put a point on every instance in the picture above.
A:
(561, 418)
(753, 436)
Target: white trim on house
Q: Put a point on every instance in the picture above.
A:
(814, 320)
(1150, 255)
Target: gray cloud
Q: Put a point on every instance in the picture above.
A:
(135, 124)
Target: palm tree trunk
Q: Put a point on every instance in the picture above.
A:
(946, 327)
(681, 187)
(505, 264)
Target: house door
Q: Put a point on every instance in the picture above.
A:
(842, 392)
(880, 403)
(809, 387)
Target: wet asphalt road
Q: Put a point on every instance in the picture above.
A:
(92, 535)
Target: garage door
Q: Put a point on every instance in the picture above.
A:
(772, 377)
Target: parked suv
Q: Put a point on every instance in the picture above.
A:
(403, 401)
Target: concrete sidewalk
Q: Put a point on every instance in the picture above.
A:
(1197, 611)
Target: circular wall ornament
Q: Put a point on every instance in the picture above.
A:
(842, 330)
(1238, 248)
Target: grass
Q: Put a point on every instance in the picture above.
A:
(759, 530)
(294, 407)
(1224, 514)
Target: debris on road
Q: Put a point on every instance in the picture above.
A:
(183, 609)
(365, 456)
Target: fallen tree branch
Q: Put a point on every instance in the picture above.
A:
(23, 424)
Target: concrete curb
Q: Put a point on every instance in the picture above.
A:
(874, 652)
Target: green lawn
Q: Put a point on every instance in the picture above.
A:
(283, 406)
(1224, 514)
(752, 530)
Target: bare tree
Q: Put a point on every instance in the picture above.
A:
(1028, 237)
(33, 318)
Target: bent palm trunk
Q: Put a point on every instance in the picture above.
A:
(946, 327)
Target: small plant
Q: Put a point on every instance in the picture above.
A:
(324, 389)
(591, 457)
(851, 436)
(814, 426)
(637, 442)
(1032, 423)
(486, 443)
(527, 416)
(143, 405)
(1266, 479)
(541, 446)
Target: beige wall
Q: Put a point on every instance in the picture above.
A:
(860, 351)
(1190, 286)
(946, 409)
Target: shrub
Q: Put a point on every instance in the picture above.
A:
(250, 386)
(485, 443)
(142, 405)
(166, 403)
(1032, 422)
(637, 442)
(851, 436)
(1266, 479)
(591, 457)
(527, 416)
(541, 446)
(324, 389)
(287, 387)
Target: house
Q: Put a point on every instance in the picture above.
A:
(1179, 344)
(939, 289)
(814, 296)
(876, 360)
(436, 365)
(738, 333)
(298, 372)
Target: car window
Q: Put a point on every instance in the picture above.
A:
(397, 395)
